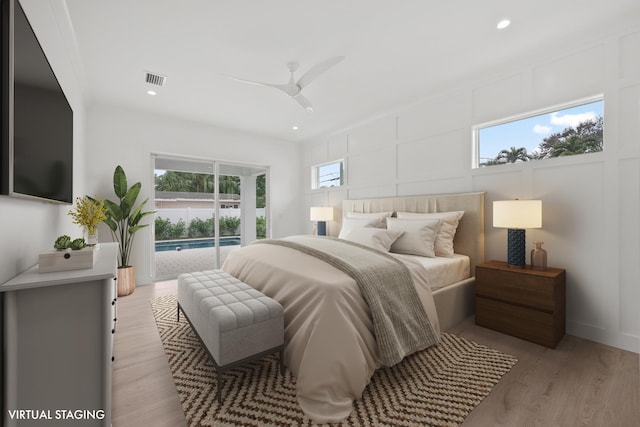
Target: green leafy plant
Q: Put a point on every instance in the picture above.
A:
(200, 228)
(229, 225)
(261, 227)
(62, 242)
(77, 244)
(162, 227)
(123, 216)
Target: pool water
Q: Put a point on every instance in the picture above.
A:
(179, 245)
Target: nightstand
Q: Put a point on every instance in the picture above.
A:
(522, 302)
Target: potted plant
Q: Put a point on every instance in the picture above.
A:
(123, 219)
(89, 213)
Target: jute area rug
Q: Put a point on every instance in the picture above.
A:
(439, 386)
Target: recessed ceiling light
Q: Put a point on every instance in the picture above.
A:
(294, 127)
(151, 92)
(503, 24)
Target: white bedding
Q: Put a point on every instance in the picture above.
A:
(442, 271)
(329, 344)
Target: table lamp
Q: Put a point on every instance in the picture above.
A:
(322, 214)
(516, 216)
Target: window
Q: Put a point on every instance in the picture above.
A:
(571, 129)
(328, 175)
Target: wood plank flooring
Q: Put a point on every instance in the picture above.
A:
(580, 383)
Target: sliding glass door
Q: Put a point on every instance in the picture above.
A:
(204, 209)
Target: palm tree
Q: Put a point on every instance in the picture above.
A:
(203, 182)
(512, 155)
(229, 184)
(569, 147)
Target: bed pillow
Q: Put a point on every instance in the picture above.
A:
(418, 237)
(376, 238)
(380, 216)
(447, 231)
(350, 224)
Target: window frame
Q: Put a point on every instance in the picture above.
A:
(315, 178)
(475, 129)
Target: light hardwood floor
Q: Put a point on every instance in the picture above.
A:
(580, 383)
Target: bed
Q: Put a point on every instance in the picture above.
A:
(455, 302)
(329, 341)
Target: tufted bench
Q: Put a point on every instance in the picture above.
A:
(235, 322)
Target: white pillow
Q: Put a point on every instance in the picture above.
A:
(350, 224)
(380, 216)
(376, 238)
(444, 238)
(418, 238)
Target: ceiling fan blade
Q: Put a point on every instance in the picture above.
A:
(304, 102)
(283, 88)
(318, 69)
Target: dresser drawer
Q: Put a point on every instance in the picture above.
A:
(529, 324)
(518, 288)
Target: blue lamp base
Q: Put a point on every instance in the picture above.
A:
(516, 247)
(322, 228)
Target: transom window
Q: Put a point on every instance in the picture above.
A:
(328, 175)
(575, 128)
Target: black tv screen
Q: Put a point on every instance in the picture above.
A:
(37, 122)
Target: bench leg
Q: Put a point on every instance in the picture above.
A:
(219, 386)
(282, 362)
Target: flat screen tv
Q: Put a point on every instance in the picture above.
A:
(36, 160)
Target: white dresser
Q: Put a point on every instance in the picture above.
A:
(58, 344)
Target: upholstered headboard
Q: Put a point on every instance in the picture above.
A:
(469, 239)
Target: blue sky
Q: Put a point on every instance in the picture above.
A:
(328, 175)
(530, 132)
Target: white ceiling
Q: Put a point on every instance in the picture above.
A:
(397, 52)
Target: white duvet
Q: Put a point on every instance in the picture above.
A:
(329, 343)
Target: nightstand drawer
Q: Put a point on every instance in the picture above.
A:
(518, 287)
(531, 325)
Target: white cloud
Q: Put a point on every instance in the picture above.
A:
(542, 129)
(572, 120)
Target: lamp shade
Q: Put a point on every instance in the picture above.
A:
(517, 214)
(321, 213)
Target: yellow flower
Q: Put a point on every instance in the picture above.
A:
(88, 213)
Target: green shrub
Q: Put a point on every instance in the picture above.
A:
(200, 228)
(166, 230)
(261, 227)
(229, 226)
(162, 226)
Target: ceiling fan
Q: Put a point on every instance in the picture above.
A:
(294, 88)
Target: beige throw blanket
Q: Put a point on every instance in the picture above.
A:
(400, 323)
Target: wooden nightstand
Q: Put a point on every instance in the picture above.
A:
(522, 302)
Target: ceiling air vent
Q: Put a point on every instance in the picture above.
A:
(155, 79)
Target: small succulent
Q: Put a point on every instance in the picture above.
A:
(78, 244)
(63, 242)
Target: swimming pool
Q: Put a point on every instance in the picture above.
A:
(179, 245)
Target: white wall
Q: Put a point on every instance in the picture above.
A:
(28, 227)
(591, 203)
(118, 136)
